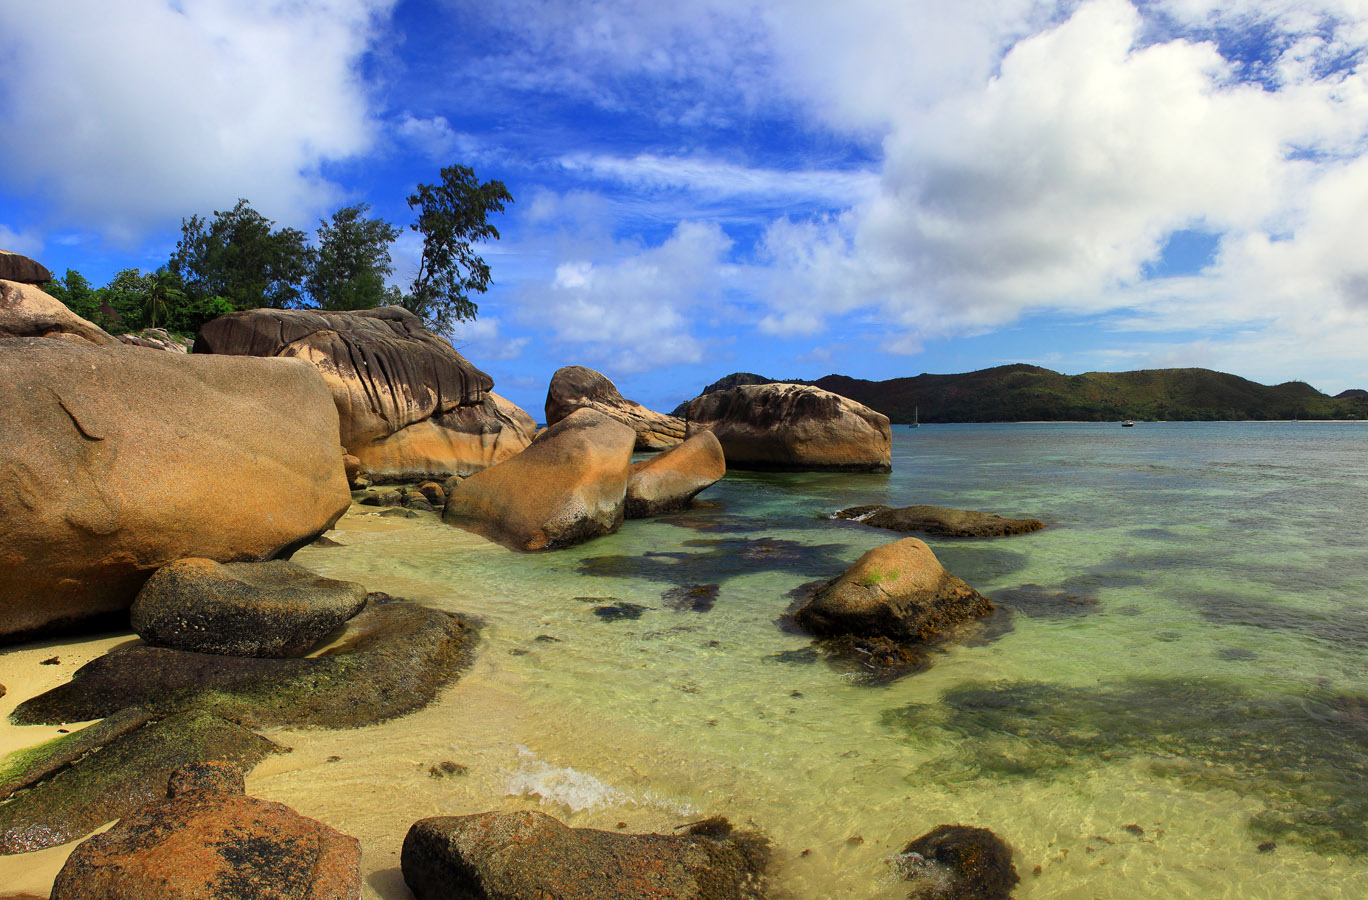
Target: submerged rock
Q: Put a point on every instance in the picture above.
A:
(568, 487)
(898, 591)
(525, 855)
(793, 427)
(128, 460)
(670, 481)
(273, 608)
(69, 787)
(575, 387)
(941, 521)
(396, 659)
(210, 841)
(959, 862)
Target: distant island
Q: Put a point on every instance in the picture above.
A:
(1024, 393)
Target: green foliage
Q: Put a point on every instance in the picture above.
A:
(126, 295)
(451, 216)
(240, 256)
(75, 291)
(352, 261)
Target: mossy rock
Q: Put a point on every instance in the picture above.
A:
(71, 786)
(395, 660)
(940, 521)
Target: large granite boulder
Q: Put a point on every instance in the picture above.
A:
(793, 427)
(569, 486)
(941, 521)
(17, 267)
(272, 608)
(959, 862)
(671, 480)
(527, 855)
(898, 591)
(26, 311)
(210, 841)
(127, 460)
(411, 408)
(575, 387)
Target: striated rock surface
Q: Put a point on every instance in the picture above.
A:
(793, 427)
(575, 387)
(526, 855)
(209, 841)
(272, 608)
(569, 486)
(671, 480)
(26, 311)
(898, 591)
(17, 267)
(959, 862)
(129, 460)
(410, 406)
(158, 339)
(941, 521)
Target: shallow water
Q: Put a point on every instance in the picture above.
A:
(1179, 683)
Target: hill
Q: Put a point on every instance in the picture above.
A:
(1023, 393)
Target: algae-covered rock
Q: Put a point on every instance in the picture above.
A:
(959, 862)
(941, 521)
(209, 841)
(396, 659)
(525, 855)
(109, 774)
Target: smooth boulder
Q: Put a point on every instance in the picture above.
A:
(529, 855)
(410, 407)
(17, 267)
(273, 608)
(576, 387)
(793, 427)
(128, 460)
(898, 591)
(569, 486)
(940, 521)
(210, 841)
(26, 311)
(959, 862)
(670, 481)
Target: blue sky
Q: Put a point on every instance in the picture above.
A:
(791, 187)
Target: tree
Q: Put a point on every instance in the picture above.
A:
(75, 291)
(451, 216)
(239, 256)
(126, 295)
(352, 261)
(163, 293)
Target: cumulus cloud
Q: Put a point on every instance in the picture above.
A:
(26, 243)
(130, 115)
(435, 137)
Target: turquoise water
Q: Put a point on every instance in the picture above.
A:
(1176, 704)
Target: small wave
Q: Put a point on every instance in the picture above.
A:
(571, 788)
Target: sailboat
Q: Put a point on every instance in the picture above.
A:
(916, 410)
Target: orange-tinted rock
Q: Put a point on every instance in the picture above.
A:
(899, 591)
(128, 459)
(793, 427)
(575, 387)
(671, 480)
(26, 311)
(569, 486)
(209, 841)
(17, 267)
(410, 406)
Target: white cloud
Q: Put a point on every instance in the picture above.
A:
(26, 243)
(724, 180)
(435, 137)
(483, 339)
(133, 114)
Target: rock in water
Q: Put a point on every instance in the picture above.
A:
(959, 862)
(568, 487)
(26, 311)
(524, 855)
(898, 591)
(575, 387)
(671, 480)
(411, 408)
(210, 841)
(16, 267)
(940, 521)
(128, 460)
(793, 427)
(273, 608)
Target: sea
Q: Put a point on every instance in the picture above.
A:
(1171, 700)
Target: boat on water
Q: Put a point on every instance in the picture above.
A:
(916, 411)
(1128, 424)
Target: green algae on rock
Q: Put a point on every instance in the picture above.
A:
(959, 862)
(108, 774)
(398, 656)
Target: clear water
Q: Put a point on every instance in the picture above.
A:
(1182, 682)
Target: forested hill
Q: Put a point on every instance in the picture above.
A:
(1022, 393)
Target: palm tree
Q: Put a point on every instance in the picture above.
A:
(163, 290)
